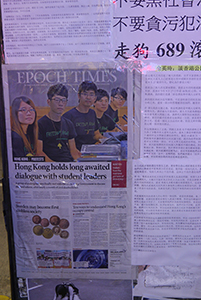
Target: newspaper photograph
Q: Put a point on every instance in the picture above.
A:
(93, 99)
(79, 289)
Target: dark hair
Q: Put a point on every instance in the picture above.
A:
(58, 89)
(119, 91)
(100, 94)
(86, 86)
(32, 130)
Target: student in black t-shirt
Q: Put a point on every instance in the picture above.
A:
(100, 106)
(118, 98)
(83, 117)
(56, 139)
(24, 127)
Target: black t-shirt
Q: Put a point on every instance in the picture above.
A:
(112, 113)
(106, 123)
(85, 125)
(55, 136)
(19, 149)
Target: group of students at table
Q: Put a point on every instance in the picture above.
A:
(57, 136)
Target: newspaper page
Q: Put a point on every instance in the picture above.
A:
(56, 31)
(166, 178)
(71, 216)
(166, 214)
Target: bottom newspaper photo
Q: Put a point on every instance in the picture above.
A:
(74, 289)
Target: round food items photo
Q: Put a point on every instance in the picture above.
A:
(44, 222)
(64, 223)
(36, 219)
(47, 233)
(38, 230)
(64, 234)
(56, 230)
(54, 220)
